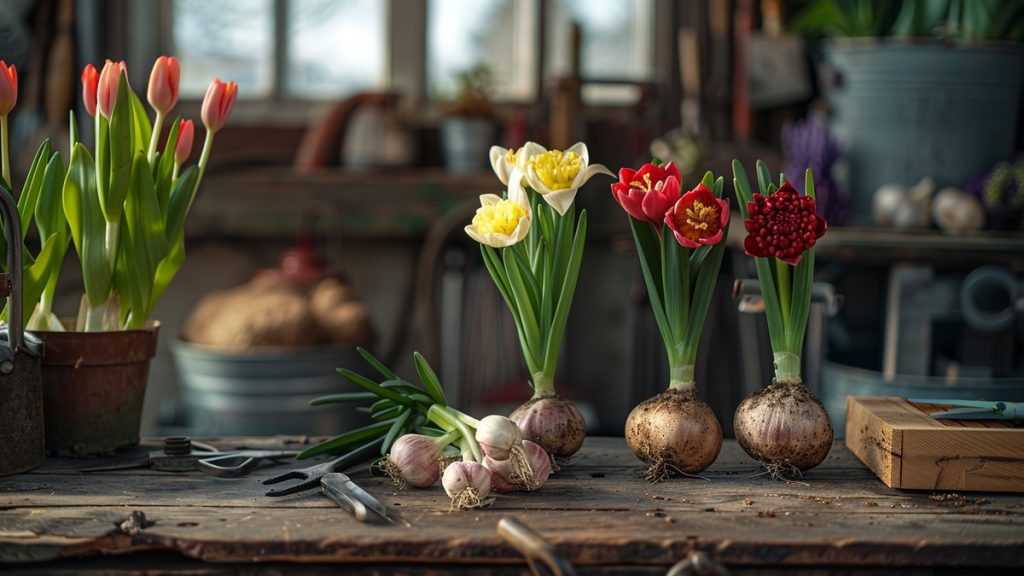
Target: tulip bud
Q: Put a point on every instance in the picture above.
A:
(163, 84)
(511, 474)
(90, 81)
(468, 484)
(413, 460)
(106, 90)
(497, 435)
(8, 88)
(217, 105)
(186, 133)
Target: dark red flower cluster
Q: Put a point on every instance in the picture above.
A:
(783, 225)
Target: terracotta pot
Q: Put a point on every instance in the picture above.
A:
(93, 387)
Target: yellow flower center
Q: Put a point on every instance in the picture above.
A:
(500, 218)
(700, 215)
(510, 156)
(644, 186)
(557, 170)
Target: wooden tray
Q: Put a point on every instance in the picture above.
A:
(907, 448)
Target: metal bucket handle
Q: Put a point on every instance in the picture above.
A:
(12, 233)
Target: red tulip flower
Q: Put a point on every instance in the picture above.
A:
(784, 225)
(186, 133)
(106, 90)
(8, 88)
(698, 218)
(217, 105)
(90, 81)
(648, 194)
(163, 84)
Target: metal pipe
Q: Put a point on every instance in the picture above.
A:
(12, 225)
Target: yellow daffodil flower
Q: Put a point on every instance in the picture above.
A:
(504, 161)
(501, 222)
(556, 174)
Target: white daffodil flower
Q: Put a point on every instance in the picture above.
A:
(557, 175)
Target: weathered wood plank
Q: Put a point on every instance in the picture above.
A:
(598, 511)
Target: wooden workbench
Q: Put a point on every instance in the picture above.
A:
(597, 511)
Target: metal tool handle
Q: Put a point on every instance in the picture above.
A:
(12, 232)
(231, 468)
(534, 548)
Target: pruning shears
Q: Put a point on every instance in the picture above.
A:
(975, 409)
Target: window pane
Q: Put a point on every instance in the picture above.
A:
(230, 39)
(335, 47)
(617, 38)
(498, 33)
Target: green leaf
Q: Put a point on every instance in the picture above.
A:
(182, 196)
(142, 129)
(376, 364)
(554, 342)
(764, 178)
(370, 386)
(147, 235)
(741, 186)
(394, 431)
(676, 286)
(382, 404)
(49, 208)
(122, 154)
(533, 291)
(36, 275)
(358, 437)
(165, 273)
(33, 186)
(704, 289)
(429, 379)
(164, 173)
(339, 398)
(649, 249)
(88, 228)
(803, 283)
(527, 315)
(389, 413)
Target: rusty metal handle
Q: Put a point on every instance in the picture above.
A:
(12, 231)
(534, 548)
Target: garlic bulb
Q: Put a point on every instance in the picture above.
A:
(468, 484)
(957, 212)
(511, 475)
(497, 435)
(413, 460)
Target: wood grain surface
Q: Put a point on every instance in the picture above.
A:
(907, 448)
(597, 511)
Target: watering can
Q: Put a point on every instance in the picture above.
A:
(21, 390)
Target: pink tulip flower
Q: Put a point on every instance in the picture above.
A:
(106, 90)
(217, 105)
(186, 133)
(163, 84)
(8, 88)
(90, 81)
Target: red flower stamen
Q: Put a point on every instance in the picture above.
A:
(783, 225)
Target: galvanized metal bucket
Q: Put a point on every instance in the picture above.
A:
(21, 391)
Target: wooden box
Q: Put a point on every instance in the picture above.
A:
(907, 448)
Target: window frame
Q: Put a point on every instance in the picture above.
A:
(406, 61)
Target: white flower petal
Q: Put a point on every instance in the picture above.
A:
(561, 200)
(489, 199)
(528, 151)
(499, 163)
(516, 192)
(472, 233)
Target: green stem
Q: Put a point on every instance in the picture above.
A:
(5, 152)
(444, 418)
(448, 438)
(153, 141)
(681, 377)
(110, 240)
(205, 156)
(543, 385)
(787, 367)
(784, 272)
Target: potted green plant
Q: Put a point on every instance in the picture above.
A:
(921, 87)
(468, 128)
(123, 208)
(1003, 196)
